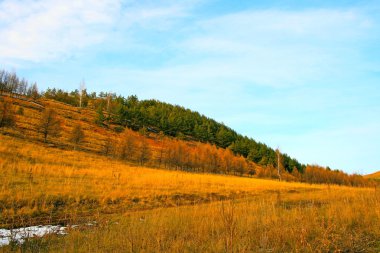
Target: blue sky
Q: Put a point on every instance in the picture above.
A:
(303, 76)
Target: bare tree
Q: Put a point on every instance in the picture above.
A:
(3, 76)
(278, 163)
(33, 91)
(161, 138)
(144, 152)
(13, 82)
(49, 124)
(22, 87)
(108, 146)
(77, 135)
(7, 118)
(127, 146)
(82, 87)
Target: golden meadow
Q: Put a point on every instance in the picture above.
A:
(139, 209)
(142, 209)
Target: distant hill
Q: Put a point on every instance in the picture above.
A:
(375, 175)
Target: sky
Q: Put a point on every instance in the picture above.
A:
(303, 76)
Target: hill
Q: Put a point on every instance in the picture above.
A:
(375, 175)
(146, 132)
(67, 180)
(118, 188)
(114, 206)
(114, 141)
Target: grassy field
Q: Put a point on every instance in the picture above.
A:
(43, 182)
(338, 220)
(140, 209)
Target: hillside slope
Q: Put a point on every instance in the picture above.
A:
(155, 116)
(375, 175)
(142, 148)
(139, 209)
(199, 144)
(42, 184)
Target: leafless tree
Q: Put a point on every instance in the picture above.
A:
(49, 124)
(7, 115)
(143, 152)
(77, 135)
(127, 146)
(2, 81)
(278, 163)
(82, 87)
(33, 91)
(108, 146)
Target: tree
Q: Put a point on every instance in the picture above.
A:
(127, 145)
(224, 138)
(33, 92)
(144, 152)
(82, 88)
(278, 163)
(77, 135)
(100, 116)
(3, 75)
(49, 124)
(161, 139)
(108, 146)
(7, 118)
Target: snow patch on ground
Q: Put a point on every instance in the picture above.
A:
(20, 234)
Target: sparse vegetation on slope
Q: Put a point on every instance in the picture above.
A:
(138, 209)
(41, 182)
(99, 125)
(375, 176)
(63, 164)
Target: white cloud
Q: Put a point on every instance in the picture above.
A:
(260, 71)
(43, 30)
(318, 23)
(280, 48)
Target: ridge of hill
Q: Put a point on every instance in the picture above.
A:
(139, 148)
(147, 132)
(375, 175)
(154, 116)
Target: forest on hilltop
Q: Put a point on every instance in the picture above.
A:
(172, 120)
(227, 151)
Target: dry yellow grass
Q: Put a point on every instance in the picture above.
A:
(330, 220)
(141, 209)
(40, 181)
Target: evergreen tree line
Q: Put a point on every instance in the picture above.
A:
(170, 120)
(171, 153)
(182, 123)
(156, 116)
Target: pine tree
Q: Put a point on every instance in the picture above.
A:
(100, 116)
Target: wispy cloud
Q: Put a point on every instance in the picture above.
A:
(296, 78)
(44, 30)
(281, 48)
